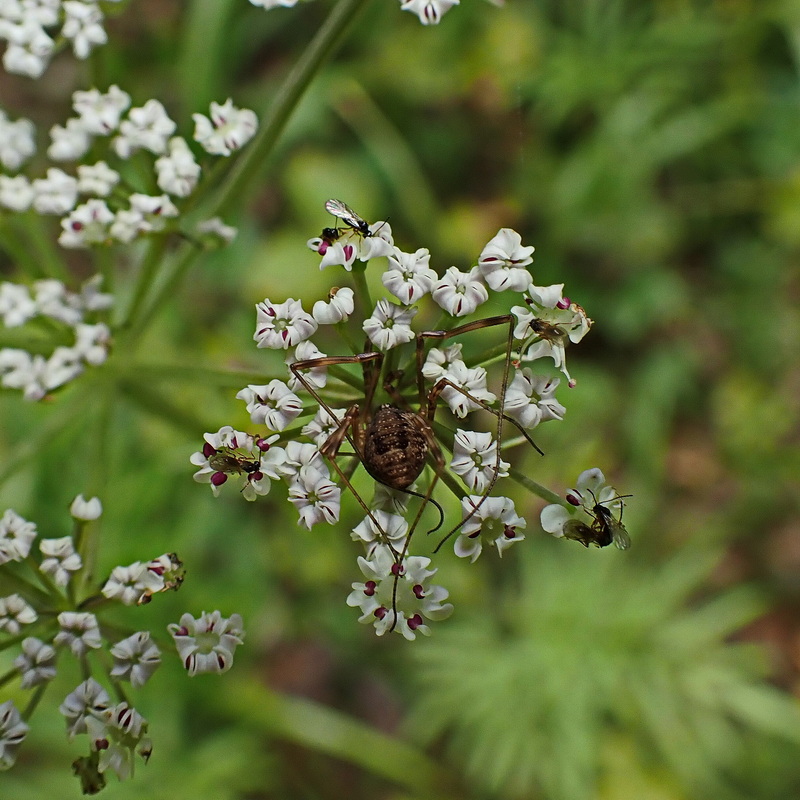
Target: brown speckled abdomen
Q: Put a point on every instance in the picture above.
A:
(395, 447)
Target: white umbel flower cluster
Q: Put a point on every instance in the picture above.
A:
(95, 204)
(430, 12)
(423, 408)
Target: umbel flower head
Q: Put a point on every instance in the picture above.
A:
(425, 407)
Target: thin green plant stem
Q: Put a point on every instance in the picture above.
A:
(241, 177)
(362, 291)
(16, 247)
(148, 271)
(538, 489)
(36, 698)
(43, 247)
(247, 170)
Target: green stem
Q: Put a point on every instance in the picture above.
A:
(362, 291)
(38, 693)
(538, 489)
(43, 247)
(246, 171)
(147, 273)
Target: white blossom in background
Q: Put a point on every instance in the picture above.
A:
(117, 733)
(317, 376)
(88, 224)
(460, 293)
(530, 399)
(16, 194)
(12, 733)
(69, 142)
(136, 658)
(129, 584)
(430, 12)
(178, 172)
(60, 559)
(97, 179)
(100, 112)
(17, 141)
(207, 644)
(16, 535)
(215, 228)
(14, 613)
(16, 304)
(89, 699)
(86, 510)
(398, 598)
(29, 49)
(274, 3)
(228, 128)
(36, 664)
(55, 194)
(493, 521)
(82, 24)
(79, 631)
(389, 325)
(146, 128)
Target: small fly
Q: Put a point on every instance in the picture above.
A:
(346, 214)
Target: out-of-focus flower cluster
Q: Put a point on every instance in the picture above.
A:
(335, 390)
(430, 12)
(34, 30)
(36, 374)
(96, 203)
(53, 614)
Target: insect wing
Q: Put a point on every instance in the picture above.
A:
(343, 212)
(620, 536)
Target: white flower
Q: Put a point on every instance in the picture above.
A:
(300, 455)
(430, 12)
(438, 362)
(100, 113)
(379, 243)
(379, 528)
(88, 224)
(315, 496)
(63, 366)
(228, 129)
(316, 376)
(127, 225)
(460, 293)
(16, 304)
(474, 459)
(60, 559)
(148, 128)
(352, 244)
(92, 342)
(22, 371)
(130, 584)
(273, 404)
(472, 381)
(135, 659)
(16, 193)
(339, 308)
(69, 142)
(178, 172)
(322, 426)
(82, 25)
(408, 276)
(55, 194)
(14, 613)
(546, 323)
(216, 228)
(389, 325)
(12, 733)
(53, 300)
(207, 644)
(274, 3)
(97, 179)
(282, 325)
(115, 734)
(17, 142)
(86, 510)
(89, 699)
(16, 536)
(79, 631)
(503, 260)
(398, 597)
(530, 399)
(494, 520)
(36, 663)
(29, 49)
(342, 253)
(154, 209)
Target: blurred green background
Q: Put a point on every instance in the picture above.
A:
(650, 150)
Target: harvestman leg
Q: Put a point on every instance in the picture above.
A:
(350, 427)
